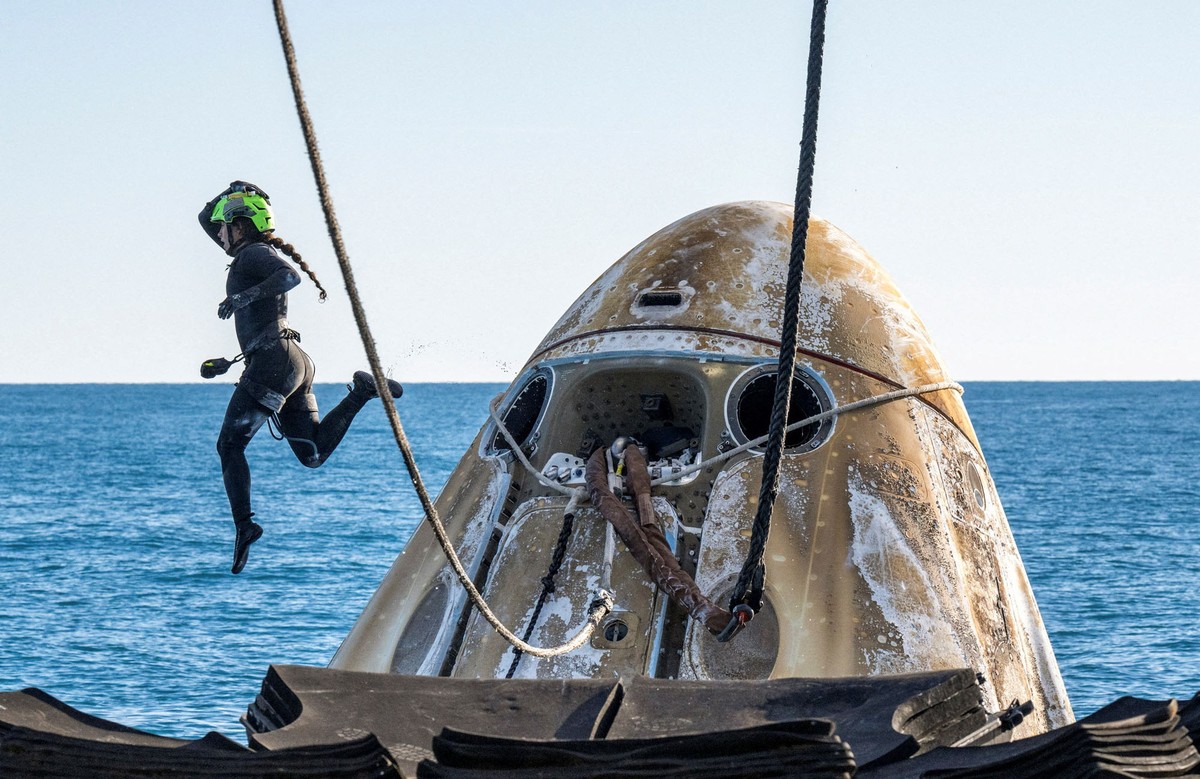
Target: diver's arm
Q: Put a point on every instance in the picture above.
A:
(277, 283)
(211, 228)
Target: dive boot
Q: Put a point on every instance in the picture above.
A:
(248, 532)
(363, 385)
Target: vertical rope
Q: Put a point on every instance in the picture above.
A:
(602, 604)
(335, 232)
(339, 248)
(748, 590)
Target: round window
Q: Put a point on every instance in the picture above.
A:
(975, 479)
(752, 396)
(523, 413)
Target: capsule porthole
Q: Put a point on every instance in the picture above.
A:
(752, 397)
(523, 414)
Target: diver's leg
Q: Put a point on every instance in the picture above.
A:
(364, 384)
(298, 421)
(243, 417)
(247, 532)
(312, 440)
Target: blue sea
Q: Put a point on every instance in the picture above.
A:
(115, 594)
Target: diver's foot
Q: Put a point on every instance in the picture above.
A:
(247, 533)
(363, 385)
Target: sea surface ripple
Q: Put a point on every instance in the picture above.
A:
(117, 599)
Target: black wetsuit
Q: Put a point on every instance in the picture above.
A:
(278, 377)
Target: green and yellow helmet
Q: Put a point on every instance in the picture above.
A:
(248, 202)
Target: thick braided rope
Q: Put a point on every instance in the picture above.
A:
(603, 603)
(752, 570)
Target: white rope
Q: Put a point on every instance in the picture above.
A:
(886, 397)
(516, 450)
(875, 400)
(602, 604)
(579, 495)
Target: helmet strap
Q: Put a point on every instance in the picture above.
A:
(225, 236)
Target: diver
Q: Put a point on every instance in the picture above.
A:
(278, 377)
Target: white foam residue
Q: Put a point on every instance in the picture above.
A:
(772, 212)
(1016, 585)
(723, 547)
(908, 334)
(817, 303)
(765, 269)
(900, 587)
(668, 341)
(560, 619)
(589, 302)
(769, 253)
(910, 339)
(480, 520)
(763, 273)
(844, 243)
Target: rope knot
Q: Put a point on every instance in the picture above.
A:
(602, 604)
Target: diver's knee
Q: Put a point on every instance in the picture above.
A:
(230, 446)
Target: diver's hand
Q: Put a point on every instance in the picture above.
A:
(226, 308)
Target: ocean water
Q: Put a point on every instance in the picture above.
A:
(115, 541)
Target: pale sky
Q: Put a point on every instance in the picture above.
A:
(1027, 171)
